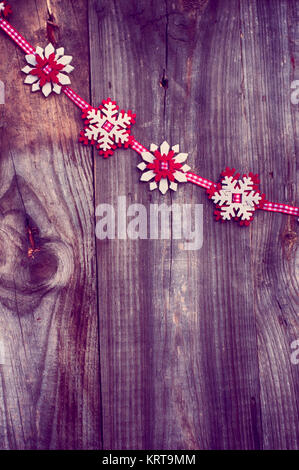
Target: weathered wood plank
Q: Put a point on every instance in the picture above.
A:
(194, 345)
(185, 335)
(50, 395)
(270, 36)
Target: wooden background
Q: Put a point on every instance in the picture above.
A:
(139, 344)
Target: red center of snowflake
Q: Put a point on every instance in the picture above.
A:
(237, 198)
(46, 69)
(107, 126)
(164, 166)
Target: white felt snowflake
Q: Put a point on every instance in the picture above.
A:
(236, 198)
(106, 127)
(164, 166)
(45, 69)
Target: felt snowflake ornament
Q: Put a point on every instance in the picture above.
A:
(236, 198)
(106, 127)
(45, 69)
(5, 9)
(163, 166)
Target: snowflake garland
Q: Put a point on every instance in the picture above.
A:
(5, 10)
(236, 198)
(106, 127)
(46, 69)
(164, 167)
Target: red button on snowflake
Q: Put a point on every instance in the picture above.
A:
(236, 198)
(165, 165)
(47, 69)
(106, 127)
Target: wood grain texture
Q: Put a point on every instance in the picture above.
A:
(195, 346)
(141, 344)
(50, 395)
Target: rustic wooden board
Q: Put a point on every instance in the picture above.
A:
(50, 396)
(195, 346)
(193, 349)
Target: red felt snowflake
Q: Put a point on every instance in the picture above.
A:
(107, 127)
(45, 69)
(5, 9)
(164, 165)
(236, 198)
